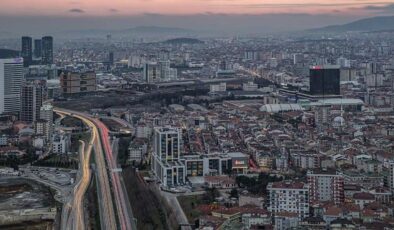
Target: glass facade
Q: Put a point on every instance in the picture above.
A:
(324, 81)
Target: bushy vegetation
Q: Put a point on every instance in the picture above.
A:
(256, 185)
(59, 161)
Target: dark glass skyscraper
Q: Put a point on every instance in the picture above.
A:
(111, 58)
(37, 48)
(324, 80)
(47, 50)
(27, 51)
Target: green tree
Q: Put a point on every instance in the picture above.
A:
(234, 193)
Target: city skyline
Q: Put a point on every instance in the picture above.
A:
(197, 114)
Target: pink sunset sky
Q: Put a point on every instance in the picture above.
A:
(185, 7)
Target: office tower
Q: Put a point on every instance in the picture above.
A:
(31, 101)
(37, 48)
(167, 143)
(223, 65)
(75, 82)
(164, 55)
(321, 115)
(111, 58)
(324, 80)
(159, 72)
(165, 70)
(251, 55)
(343, 62)
(298, 58)
(326, 185)
(290, 197)
(390, 177)
(173, 74)
(27, 51)
(11, 76)
(47, 50)
(166, 156)
(151, 72)
(46, 121)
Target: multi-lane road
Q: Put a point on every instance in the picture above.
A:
(107, 213)
(111, 187)
(126, 219)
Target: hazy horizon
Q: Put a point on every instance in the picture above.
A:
(208, 23)
(210, 16)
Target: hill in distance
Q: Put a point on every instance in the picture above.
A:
(7, 53)
(183, 41)
(139, 30)
(157, 29)
(383, 23)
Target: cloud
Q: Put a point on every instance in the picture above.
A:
(77, 11)
(149, 14)
(303, 5)
(113, 10)
(379, 9)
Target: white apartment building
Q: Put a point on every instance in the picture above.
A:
(249, 86)
(222, 87)
(326, 185)
(46, 113)
(11, 77)
(60, 144)
(166, 164)
(290, 197)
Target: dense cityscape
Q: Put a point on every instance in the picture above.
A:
(159, 129)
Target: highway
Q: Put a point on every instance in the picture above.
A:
(103, 154)
(126, 219)
(83, 184)
(107, 212)
(122, 122)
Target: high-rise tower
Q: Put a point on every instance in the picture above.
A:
(27, 51)
(47, 50)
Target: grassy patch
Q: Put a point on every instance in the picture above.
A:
(75, 141)
(189, 204)
(71, 122)
(144, 173)
(148, 208)
(93, 206)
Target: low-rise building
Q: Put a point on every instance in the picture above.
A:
(60, 144)
(286, 220)
(221, 182)
(363, 198)
(256, 217)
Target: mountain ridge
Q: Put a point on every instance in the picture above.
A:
(379, 23)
